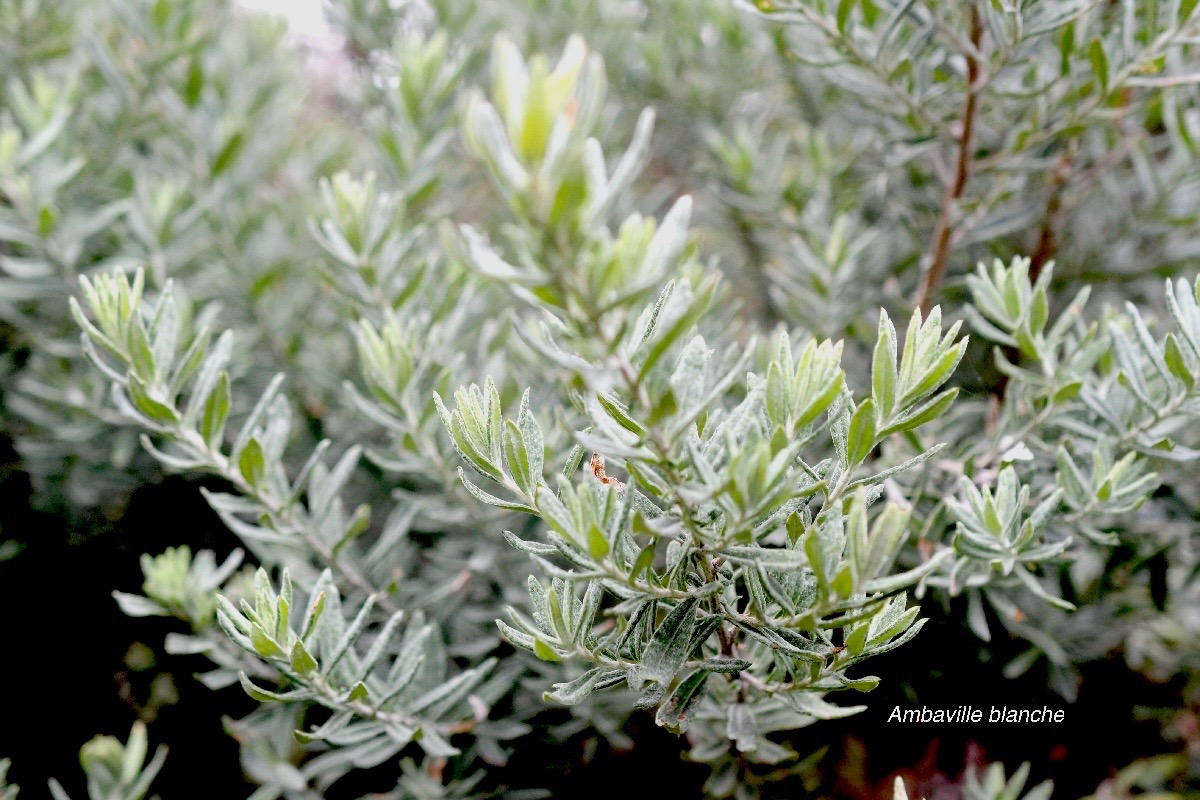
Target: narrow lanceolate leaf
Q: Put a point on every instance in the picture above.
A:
(1099, 61)
(587, 614)
(597, 544)
(813, 705)
(531, 437)
(140, 354)
(669, 646)
(571, 692)
(856, 639)
(134, 605)
(1176, 362)
(644, 559)
(251, 463)
(936, 373)
(441, 699)
(302, 662)
(146, 403)
(544, 651)
(844, 8)
(926, 412)
(491, 500)
(264, 645)
(313, 615)
(742, 727)
(883, 368)
(516, 457)
(216, 412)
(676, 713)
(778, 403)
(345, 644)
(861, 438)
(265, 696)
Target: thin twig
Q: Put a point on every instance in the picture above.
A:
(940, 254)
(1164, 81)
(1047, 246)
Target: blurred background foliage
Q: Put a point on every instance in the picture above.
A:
(840, 157)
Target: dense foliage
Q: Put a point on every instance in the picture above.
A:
(551, 387)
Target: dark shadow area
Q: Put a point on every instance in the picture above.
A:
(69, 659)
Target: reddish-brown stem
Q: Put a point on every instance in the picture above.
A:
(1047, 245)
(943, 235)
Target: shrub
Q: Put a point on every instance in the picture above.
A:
(530, 464)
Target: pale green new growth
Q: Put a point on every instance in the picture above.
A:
(116, 771)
